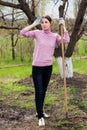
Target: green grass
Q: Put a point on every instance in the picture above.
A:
(82, 47)
(15, 95)
(16, 72)
(14, 88)
(63, 123)
(50, 99)
(20, 72)
(80, 66)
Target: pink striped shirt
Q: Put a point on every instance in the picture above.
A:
(45, 45)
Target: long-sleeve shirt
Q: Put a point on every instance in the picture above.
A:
(45, 45)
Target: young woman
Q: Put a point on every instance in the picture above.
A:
(42, 59)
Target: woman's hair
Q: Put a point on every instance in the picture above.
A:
(48, 18)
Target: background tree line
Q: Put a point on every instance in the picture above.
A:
(25, 12)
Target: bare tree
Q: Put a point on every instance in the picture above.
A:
(22, 5)
(75, 36)
(77, 31)
(13, 41)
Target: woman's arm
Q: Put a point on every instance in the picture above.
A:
(26, 31)
(28, 28)
(66, 37)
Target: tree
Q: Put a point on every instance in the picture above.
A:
(77, 30)
(22, 5)
(75, 36)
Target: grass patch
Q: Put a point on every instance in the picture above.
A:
(25, 104)
(13, 88)
(15, 95)
(82, 126)
(63, 123)
(79, 66)
(15, 72)
(50, 98)
(81, 104)
(73, 90)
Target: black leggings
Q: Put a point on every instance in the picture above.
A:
(41, 77)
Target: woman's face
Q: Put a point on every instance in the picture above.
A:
(45, 24)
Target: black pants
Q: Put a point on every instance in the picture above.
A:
(41, 77)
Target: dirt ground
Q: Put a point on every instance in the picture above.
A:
(12, 118)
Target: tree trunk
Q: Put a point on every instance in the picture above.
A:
(25, 7)
(13, 50)
(64, 64)
(12, 35)
(68, 66)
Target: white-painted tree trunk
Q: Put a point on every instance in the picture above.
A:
(68, 66)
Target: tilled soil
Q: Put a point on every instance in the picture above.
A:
(13, 118)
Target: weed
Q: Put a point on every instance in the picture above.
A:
(63, 123)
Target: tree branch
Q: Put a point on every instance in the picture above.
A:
(9, 14)
(5, 27)
(3, 17)
(26, 10)
(8, 4)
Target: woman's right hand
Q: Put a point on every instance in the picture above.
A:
(62, 22)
